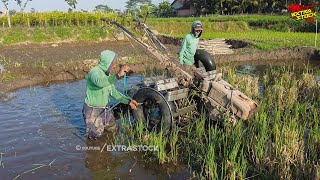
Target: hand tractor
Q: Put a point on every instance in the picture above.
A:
(170, 101)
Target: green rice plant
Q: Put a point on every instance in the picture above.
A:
(160, 140)
(262, 31)
(40, 63)
(211, 166)
(200, 128)
(139, 129)
(174, 145)
(91, 34)
(289, 148)
(63, 32)
(282, 140)
(126, 131)
(13, 36)
(261, 38)
(52, 34)
(232, 148)
(8, 76)
(16, 64)
(55, 18)
(259, 139)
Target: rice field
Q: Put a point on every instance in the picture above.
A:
(264, 32)
(282, 140)
(264, 39)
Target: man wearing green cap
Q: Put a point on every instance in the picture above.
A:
(189, 44)
(100, 86)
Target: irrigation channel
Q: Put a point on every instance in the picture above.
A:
(38, 138)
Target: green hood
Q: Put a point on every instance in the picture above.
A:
(100, 85)
(107, 59)
(194, 25)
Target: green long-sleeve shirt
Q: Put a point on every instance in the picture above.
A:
(188, 49)
(189, 46)
(101, 86)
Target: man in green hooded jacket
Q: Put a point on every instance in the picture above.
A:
(100, 87)
(189, 44)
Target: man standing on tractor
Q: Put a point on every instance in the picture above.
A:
(190, 44)
(100, 87)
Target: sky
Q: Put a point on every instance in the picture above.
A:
(61, 5)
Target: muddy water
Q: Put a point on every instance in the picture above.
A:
(259, 67)
(39, 126)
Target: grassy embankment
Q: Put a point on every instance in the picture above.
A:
(57, 27)
(282, 141)
(264, 32)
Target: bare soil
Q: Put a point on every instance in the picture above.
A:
(46, 63)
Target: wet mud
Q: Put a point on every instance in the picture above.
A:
(48, 63)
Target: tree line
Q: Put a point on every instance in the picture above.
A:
(222, 7)
(143, 8)
(231, 7)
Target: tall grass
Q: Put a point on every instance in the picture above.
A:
(54, 34)
(260, 38)
(264, 32)
(272, 22)
(56, 18)
(282, 140)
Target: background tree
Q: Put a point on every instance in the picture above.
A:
(199, 6)
(131, 5)
(140, 8)
(134, 4)
(143, 11)
(5, 3)
(103, 8)
(33, 10)
(211, 6)
(243, 6)
(164, 9)
(72, 4)
(12, 12)
(22, 5)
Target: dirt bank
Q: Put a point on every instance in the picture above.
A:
(295, 53)
(243, 51)
(54, 72)
(30, 64)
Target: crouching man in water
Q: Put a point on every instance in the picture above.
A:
(100, 86)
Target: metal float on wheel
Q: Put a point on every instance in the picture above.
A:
(160, 100)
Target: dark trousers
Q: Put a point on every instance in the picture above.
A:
(97, 120)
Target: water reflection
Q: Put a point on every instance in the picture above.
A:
(258, 68)
(38, 126)
(247, 69)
